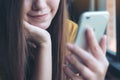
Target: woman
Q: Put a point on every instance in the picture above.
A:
(33, 43)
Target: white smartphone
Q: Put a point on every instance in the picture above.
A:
(97, 20)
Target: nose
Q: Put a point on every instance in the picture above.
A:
(39, 5)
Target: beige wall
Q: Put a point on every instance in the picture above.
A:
(111, 25)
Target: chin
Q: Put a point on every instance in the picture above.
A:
(41, 25)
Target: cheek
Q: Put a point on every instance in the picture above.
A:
(54, 4)
(26, 9)
(26, 6)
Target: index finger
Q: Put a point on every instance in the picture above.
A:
(93, 43)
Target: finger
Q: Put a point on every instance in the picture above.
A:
(26, 24)
(82, 55)
(38, 34)
(70, 74)
(82, 69)
(29, 27)
(93, 44)
(103, 44)
(26, 29)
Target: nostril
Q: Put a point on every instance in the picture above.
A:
(38, 5)
(34, 7)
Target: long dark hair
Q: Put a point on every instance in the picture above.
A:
(59, 35)
(13, 58)
(12, 55)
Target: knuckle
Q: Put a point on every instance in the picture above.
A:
(100, 72)
(95, 49)
(74, 77)
(89, 59)
(83, 70)
(90, 77)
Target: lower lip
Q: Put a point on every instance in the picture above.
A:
(40, 17)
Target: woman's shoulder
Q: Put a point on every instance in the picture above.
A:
(72, 26)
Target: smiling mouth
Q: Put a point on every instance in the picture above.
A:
(39, 17)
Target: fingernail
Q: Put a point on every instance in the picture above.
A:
(105, 37)
(89, 29)
(69, 45)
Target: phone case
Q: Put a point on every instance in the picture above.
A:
(97, 21)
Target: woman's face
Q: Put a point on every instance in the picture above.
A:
(40, 12)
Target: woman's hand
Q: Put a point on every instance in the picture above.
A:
(37, 34)
(89, 66)
(43, 60)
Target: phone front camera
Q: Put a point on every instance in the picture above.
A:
(87, 17)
